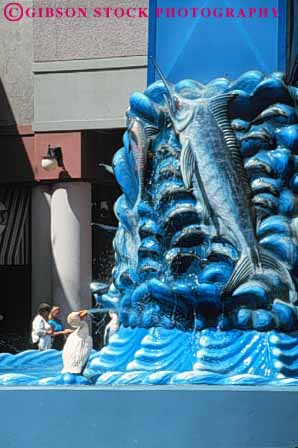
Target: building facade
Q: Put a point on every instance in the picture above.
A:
(64, 83)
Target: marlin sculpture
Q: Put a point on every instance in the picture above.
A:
(211, 162)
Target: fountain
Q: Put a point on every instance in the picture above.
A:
(206, 255)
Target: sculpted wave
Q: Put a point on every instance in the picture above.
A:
(207, 220)
(206, 258)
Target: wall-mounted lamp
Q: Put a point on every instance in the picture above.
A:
(53, 159)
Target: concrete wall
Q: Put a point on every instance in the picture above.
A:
(89, 94)
(87, 38)
(149, 417)
(86, 68)
(94, 94)
(101, 62)
(16, 78)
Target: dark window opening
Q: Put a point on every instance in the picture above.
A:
(105, 191)
(292, 42)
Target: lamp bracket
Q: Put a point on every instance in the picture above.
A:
(55, 153)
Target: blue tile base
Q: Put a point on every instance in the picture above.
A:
(143, 417)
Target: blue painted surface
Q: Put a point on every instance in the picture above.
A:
(171, 265)
(137, 417)
(178, 324)
(159, 356)
(202, 48)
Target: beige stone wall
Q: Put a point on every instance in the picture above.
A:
(61, 39)
(91, 37)
(16, 79)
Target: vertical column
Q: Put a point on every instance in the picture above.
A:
(71, 245)
(41, 277)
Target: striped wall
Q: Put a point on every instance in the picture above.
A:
(14, 226)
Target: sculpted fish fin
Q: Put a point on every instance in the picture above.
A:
(244, 269)
(269, 261)
(219, 107)
(187, 164)
(189, 167)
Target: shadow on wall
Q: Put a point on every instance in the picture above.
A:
(16, 172)
(6, 114)
(17, 145)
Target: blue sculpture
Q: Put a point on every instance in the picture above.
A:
(206, 261)
(206, 250)
(207, 222)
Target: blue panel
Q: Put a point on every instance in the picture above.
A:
(192, 417)
(204, 47)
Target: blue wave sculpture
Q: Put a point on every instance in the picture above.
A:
(206, 258)
(208, 217)
(206, 248)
